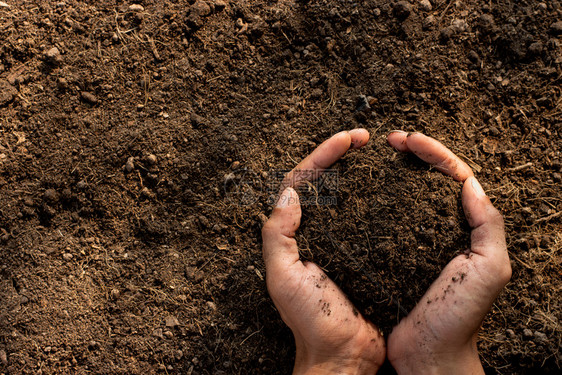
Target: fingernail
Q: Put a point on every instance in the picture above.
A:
(285, 198)
(397, 131)
(477, 188)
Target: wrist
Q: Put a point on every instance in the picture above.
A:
(464, 361)
(315, 364)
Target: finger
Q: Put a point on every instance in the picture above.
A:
(488, 234)
(278, 233)
(431, 151)
(397, 139)
(330, 151)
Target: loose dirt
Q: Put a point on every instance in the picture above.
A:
(140, 144)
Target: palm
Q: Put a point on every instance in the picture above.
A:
(318, 311)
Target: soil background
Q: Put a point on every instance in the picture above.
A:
(140, 145)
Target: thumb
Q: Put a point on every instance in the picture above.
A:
(279, 245)
(488, 234)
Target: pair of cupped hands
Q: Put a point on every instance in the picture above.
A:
(439, 335)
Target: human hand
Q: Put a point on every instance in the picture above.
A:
(331, 336)
(439, 335)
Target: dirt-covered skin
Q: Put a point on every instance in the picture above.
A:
(138, 150)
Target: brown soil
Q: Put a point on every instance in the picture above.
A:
(137, 158)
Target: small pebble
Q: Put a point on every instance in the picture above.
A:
(402, 9)
(542, 7)
(556, 28)
(426, 5)
(536, 48)
(460, 26)
(428, 22)
(158, 333)
(220, 5)
(4, 357)
(7, 92)
(151, 159)
(89, 97)
(527, 333)
(540, 337)
(67, 256)
(473, 57)
(212, 305)
(172, 321)
(136, 8)
(51, 195)
(201, 8)
(53, 55)
(130, 165)
(447, 33)
(178, 354)
(168, 334)
(115, 293)
(510, 333)
(93, 344)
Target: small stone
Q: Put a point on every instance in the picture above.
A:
(376, 12)
(473, 57)
(4, 5)
(201, 8)
(53, 56)
(172, 321)
(362, 104)
(51, 195)
(24, 300)
(542, 7)
(168, 334)
(152, 159)
(4, 357)
(7, 92)
(425, 5)
(536, 48)
(47, 349)
(67, 256)
(486, 23)
(235, 165)
(62, 83)
(93, 345)
(557, 177)
(402, 9)
(130, 165)
(460, 26)
(136, 8)
(220, 5)
(88, 97)
(158, 333)
(115, 293)
(229, 177)
(197, 120)
(178, 354)
(147, 193)
(556, 28)
(447, 33)
(540, 337)
(211, 305)
(428, 22)
(510, 333)
(527, 333)
(81, 184)
(250, 268)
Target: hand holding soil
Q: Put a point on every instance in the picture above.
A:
(330, 334)
(439, 334)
